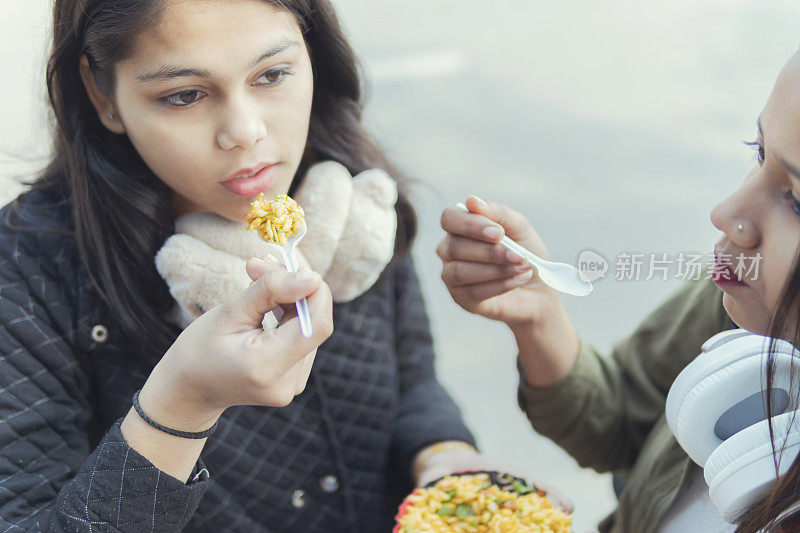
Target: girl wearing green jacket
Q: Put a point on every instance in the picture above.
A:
(609, 412)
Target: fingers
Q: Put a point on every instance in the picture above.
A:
(461, 273)
(556, 497)
(304, 372)
(258, 267)
(482, 291)
(475, 226)
(273, 287)
(456, 248)
(287, 339)
(515, 225)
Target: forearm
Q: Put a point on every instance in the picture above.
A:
(584, 412)
(115, 489)
(172, 455)
(548, 344)
(427, 416)
(175, 456)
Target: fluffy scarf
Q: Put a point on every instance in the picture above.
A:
(351, 225)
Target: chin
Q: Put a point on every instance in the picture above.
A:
(743, 316)
(235, 215)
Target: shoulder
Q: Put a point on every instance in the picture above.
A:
(36, 237)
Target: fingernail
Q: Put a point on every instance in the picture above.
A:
(514, 258)
(524, 267)
(525, 276)
(481, 202)
(492, 232)
(257, 260)
(304, 274)
(270, 257)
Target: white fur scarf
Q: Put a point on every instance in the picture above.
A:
(351, 225)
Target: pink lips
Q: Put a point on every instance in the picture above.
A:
(724, 275)
(258, 179)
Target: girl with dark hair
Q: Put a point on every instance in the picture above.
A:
(609, 412)
(145, 383)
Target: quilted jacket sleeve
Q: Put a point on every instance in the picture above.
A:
(427, 412)
(50, 478)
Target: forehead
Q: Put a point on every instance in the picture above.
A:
(212, 33)
(781, 115)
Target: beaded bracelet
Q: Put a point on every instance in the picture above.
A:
(174, 432)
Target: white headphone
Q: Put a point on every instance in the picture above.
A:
(716, 409)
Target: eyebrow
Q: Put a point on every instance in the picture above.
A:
(793, 170)
(168, 72)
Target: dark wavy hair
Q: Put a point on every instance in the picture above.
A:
(121, 212)
(784, 324)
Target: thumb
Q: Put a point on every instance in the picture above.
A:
(274, 287)
(256, 268)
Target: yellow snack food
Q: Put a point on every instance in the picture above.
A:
(473, 504)
(276, 220)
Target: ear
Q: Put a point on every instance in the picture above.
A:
(104, 106)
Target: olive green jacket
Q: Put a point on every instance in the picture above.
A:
(608, 412)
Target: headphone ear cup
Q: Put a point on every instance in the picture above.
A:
(742, 468)
(724, 337)
(708, 387)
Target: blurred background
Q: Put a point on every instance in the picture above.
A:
(613, 126)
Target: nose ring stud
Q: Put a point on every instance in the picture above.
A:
(740, 227)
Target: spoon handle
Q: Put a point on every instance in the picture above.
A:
(521, 251)
(301, 305)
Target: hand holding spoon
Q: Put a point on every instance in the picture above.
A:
(560, 276)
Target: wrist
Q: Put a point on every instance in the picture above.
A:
(177, 405)
(548, 346)
(540, 317)
(439, 451)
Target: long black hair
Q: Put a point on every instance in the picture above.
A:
(120, 211)
(784, 324)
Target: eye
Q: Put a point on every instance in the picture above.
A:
(759, 149)
(184, 98)
(274, 76)
(794, 202)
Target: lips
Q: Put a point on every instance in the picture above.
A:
(723, 272)
(247, 172)
(250, 181)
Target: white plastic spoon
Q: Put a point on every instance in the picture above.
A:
(287, 253)
(561, 276)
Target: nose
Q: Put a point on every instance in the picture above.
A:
(241, 125)
(737, 215)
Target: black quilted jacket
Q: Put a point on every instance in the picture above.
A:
(335, 459)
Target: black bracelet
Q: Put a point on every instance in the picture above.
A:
(175, 432)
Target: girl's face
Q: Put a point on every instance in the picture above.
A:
(761, 219)
(217, 89)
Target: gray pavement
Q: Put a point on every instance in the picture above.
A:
(614, 126)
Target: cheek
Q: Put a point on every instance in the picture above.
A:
(291, 121)
(172, 149)
(779, 268)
